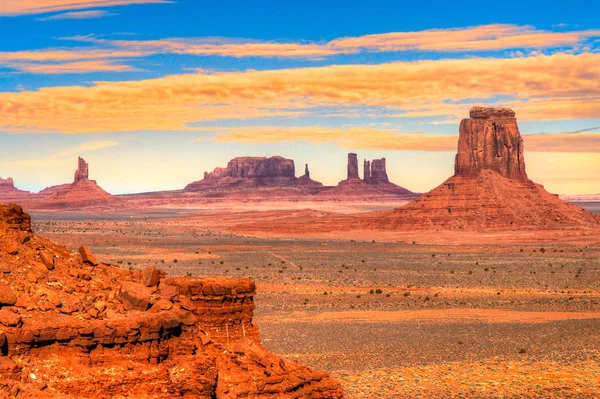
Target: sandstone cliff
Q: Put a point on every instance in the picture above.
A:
(82, 171)
(83, 192)
(8, 191)
(72, 327)
(374, 184)
(490, 188)
(253, 172)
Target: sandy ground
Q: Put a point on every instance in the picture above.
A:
(479, 319)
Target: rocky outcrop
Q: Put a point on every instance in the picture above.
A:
(8, 191)
(490, 139)
(80, 330)
(378, 173)
(367, 172)
(82, 171)
(373, 186)
(490, 188)
(83, 192)
(253, 172)
(352, 167)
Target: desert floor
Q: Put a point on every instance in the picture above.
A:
(388, 319)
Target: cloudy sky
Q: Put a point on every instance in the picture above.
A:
(153, 93)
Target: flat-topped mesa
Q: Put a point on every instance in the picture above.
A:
(7, 183)
(253, 172)
(378, 171)
(353, 166)
(490, 139)
(82, 171)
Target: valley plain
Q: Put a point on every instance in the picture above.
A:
(386, 318)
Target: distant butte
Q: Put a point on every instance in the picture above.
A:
(82, 192)
(252, 173)
(8, 191)
(490, 187)
(374, 184)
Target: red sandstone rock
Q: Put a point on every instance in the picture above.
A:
(82, 171)
(9, 192)
(7, 296)
(490, 189)
(82, 193)
(352, 166)
(76, 341)
(374, 186)
(253, 172)
(134, 296)
(490, 139)
(150, 276)
(379, 172)
(87, 256)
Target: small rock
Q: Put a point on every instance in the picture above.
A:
(47, 259)
(87, 256)
(150, 276)
(7, 296)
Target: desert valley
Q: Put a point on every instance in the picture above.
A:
(299, 200)
(486, 286)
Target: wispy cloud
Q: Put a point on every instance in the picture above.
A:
(72, 67)
(478, 38)
(88, 147)
(561, 86)
(22, 7)
(365, 138)
(471, 39)
(79, 15)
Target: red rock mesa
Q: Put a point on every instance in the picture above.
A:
(72, 327)
(8, 191)
(253, 172)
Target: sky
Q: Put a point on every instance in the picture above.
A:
(152, 93)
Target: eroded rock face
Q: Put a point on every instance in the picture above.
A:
(378, 171)
(367, 171)
(490, 139)
(10, 192)
(352, 166)
(77, 330)
(81, 193)
(253, 172)
(7, 183)
(82, 171)
(490, 189)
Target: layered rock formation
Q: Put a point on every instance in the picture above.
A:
(8, 191)
(375, 182)
(253, 172)
(82, 192)
(378, 173)
(490, 188)
(72, 326)
(82, 171)
(353, 167)
(490, 139)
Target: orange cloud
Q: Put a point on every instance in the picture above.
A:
(359, 138)
(478, 38)
(563, 82)
(21, 7)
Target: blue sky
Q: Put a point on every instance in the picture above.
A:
(154, 94)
